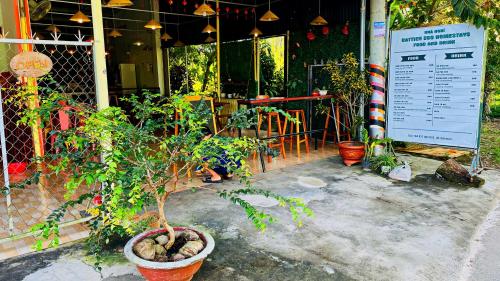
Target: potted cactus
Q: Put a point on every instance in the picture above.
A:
(125, 165)
(351, 88)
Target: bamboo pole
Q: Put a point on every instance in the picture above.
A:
(101, 79)
(158, 51)
(217, 9)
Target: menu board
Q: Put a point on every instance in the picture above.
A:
(435, 77)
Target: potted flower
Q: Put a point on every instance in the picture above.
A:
(351, 86)
(142, 163)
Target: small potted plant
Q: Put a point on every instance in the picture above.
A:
(351, 86)
(142, 164)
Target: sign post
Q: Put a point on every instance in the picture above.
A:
(435, 86)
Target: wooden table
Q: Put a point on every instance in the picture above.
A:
(250, 103)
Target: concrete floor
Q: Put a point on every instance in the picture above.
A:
(365, 228)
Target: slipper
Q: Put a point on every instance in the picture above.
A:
(209, 180)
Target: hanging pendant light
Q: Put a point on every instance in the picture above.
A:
(79, 17)
(119, 3)
(153, 25)
(269, 15)
(209, 28)
(138, 43)
(319, 20)
(179, 43)
(204, 10)
(209, 39)
(255, 32)
(52, 28)
(165, 37)
(115, 33)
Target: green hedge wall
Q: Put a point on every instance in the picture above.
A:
(325, 48)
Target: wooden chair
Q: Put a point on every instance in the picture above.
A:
(300, 116)
(269, 116)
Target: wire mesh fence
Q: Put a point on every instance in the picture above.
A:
(72, 75)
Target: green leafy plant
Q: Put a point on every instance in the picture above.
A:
(321, 109)
(351, 86)
(384, 161)
(125, 165)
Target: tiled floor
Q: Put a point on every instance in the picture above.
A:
(32, 204)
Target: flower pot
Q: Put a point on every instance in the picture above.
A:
(183, 270)
(17, 168)
(352, 152)
(262, 97)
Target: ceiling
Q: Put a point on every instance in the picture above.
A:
(236, 20)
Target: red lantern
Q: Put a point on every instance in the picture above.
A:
(228, 11)
(345, 29)
(196, 6)
(170, 2)
(97, 200)
(310, 36)
(237, 11)
(246, 13)
(184, 2)
(325, 30)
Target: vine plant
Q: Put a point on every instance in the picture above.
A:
(127, 164)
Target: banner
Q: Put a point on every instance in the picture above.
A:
(435, 77)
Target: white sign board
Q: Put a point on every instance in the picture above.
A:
(435, 76)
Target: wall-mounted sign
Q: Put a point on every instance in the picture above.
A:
(435, 79)
(30, 64)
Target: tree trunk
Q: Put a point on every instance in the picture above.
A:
(207, 69)
(163, 222)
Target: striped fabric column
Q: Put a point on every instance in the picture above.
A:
(377, 102)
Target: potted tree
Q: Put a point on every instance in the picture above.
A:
(351, 87)
(125, 165)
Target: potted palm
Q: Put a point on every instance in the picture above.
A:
(125, 165)
(351, 87)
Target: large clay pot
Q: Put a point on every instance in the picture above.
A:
(183, 270)
(352, 152)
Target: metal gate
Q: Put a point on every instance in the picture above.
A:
(73, 74)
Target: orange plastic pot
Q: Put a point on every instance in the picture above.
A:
(352, 152)
(183, 270)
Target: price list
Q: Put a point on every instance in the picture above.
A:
(435, 79)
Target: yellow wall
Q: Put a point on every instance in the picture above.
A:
(8, 24)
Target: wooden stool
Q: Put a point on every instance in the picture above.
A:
(337, 117)
(281, 143)
(299, 116)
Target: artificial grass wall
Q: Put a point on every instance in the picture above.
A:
(327, 48)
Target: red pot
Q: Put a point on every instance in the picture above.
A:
(17, 168)
(352, 152)
(183, 270)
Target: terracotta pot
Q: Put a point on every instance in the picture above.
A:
(262, 97)
(183, 270)
(352, 152)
